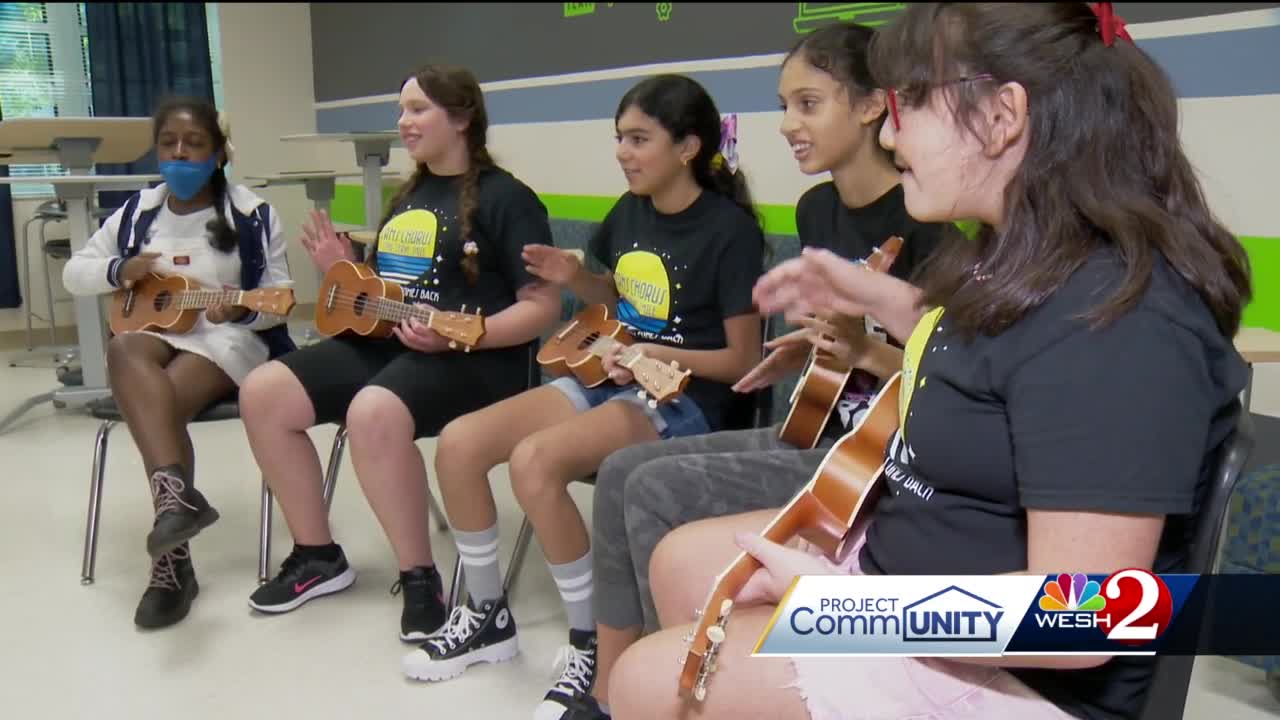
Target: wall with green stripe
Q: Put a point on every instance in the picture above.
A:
(1264, 252)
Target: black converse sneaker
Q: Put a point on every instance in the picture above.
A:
(424, 608)
(471, 636)
(585, 707)
(579, 661)
(181, 511)
(173, 587)
(301, 578)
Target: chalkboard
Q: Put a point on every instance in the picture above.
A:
(362, 49)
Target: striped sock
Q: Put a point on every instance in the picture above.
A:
(574, 581)
(479, 553)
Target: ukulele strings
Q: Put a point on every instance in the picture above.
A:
(196, 299)
(385, 308)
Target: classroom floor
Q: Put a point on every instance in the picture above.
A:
(72, 651)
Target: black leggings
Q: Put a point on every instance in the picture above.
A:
(436, 387)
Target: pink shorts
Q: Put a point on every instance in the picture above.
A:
(894, 688)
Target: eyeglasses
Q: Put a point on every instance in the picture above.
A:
(892, 95)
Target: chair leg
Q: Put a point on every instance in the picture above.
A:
(26, 276)
(517, 558)
(48, 287)
(458, 589)
(335, 464)
(433, 510)
(264, 537)
(90, 560)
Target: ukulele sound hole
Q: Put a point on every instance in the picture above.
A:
(361, 304)
(162, 300)
(586, 341)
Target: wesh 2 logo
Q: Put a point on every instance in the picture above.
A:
(1131, 607)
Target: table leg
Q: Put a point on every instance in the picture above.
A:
(320, 192)
(89, 324)
(372, 156)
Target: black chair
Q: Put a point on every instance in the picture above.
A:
(533, 379)
(1167, 694)
(108, 412)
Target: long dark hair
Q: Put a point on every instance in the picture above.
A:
(221, 235)
(683, 108)
(1104, 165)
(456, 90)
(840, 50)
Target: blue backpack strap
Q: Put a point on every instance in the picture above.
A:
(124, 233)
(255, 236)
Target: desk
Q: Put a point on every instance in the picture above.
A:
(1256, 345)
(373, 152)
(78, 143)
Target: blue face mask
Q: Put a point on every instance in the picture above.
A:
(185, 178)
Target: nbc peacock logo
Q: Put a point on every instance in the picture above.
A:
(1072, 593)
(1131, 606)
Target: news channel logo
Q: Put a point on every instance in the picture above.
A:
(939, 616)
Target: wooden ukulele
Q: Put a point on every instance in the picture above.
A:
(353, 299)
(824, 377)
(578, 348)
(829, 512)
(173, 303)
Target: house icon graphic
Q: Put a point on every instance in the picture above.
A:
(951, 615)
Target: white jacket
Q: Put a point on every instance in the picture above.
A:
(94, 269)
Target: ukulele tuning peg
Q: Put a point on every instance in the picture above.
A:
(675, 365)
(464, 310)
(653, 404)
(453, 344)
(642, 394)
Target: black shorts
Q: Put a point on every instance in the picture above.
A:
(436, 387)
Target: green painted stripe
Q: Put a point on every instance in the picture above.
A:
(1264, 262)
(1264, 252)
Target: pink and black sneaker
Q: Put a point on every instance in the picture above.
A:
(304, 575)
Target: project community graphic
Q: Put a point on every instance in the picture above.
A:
(1128, 612)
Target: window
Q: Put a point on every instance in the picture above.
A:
(44, 71)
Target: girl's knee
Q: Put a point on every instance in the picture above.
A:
(377, 415)
(271, 393)
(533, 469)
(457, 447)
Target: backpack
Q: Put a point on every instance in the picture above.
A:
(252, 230)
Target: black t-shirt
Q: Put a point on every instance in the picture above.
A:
(824, 221)
(1054, 415)
(421, 247)
(680, 276)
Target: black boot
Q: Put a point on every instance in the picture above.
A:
(173, 587)
(181, 511)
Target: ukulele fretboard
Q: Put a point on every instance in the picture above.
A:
(388, 309)
(197, 299)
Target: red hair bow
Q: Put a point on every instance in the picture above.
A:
(1110, 25)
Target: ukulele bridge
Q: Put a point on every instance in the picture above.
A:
(330, 298)
(567, 329)
(130, 298)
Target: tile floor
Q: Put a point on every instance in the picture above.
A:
(72, 651)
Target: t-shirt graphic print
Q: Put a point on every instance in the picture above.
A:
(644, 296)
(407, 253)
